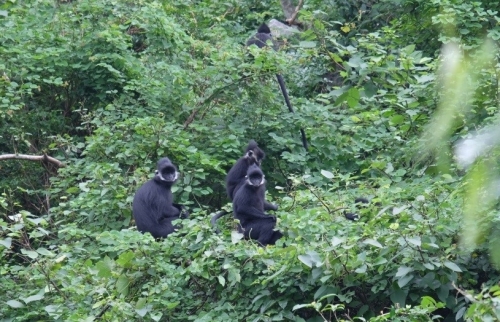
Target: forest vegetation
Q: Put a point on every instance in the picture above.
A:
(94, 92)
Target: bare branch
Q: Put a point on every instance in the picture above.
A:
(288, 8)
(44, 157)
(294, 15)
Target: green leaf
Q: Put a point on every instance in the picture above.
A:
(122, 285)
(373, 242)
(353, 97)
(337, 241)
(236, 236)
(310, 259)
(397, 119)
(15, 304)
(103, 269)
(221, 279)
(429, 266)
(404, 280)
(403, 271)
(415, 241)
(142, 308)
(452, 266)
(45, 252)
(307, 44)
(29, 253)
(7, 242)
(327, 174)
(398, 295)
(124, 260)
(409, 49)
(33, 298)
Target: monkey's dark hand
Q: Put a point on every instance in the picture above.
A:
(183, 211)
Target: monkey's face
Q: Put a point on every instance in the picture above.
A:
(168, 174)
(255, 177)
(166, 171)
(254, 156)
(256, 180)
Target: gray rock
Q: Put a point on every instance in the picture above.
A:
(280, 30)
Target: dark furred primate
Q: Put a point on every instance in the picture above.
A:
(357, 201)
(153, 206)
(236, 176)
(248, 207)
(261, 39)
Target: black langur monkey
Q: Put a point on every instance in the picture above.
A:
(357, 201)
(260, 39)
(153, 206)
(248, 207)
(236, 176)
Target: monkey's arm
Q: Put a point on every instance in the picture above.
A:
(270, 206)
(252, 213)
(171, 211)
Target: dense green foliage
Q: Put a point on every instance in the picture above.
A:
(109, 87)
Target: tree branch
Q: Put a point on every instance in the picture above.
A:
(292, 18)
(44, 157)
(288, 8)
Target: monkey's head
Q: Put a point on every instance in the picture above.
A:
(264, 29)
(166, 171)
(254, 155)
(255, 177)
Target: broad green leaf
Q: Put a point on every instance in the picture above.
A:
(33, 298)
(7, 242)
(142, 308)
(403, 271)
(122, 285)
(327, 174)
(310, 259)
(373, 242)
(361, 269)
(45, 252)
(222, 280)
(398, 296)
(415, 241)
(103, 268)
(172, 305)
(236, 236)
(337, 241)
(353, 97)
(125, 258)
(307, 44)
(452, 266)
(429, 266)
(15, 304)
(397, 119)
(405, 280)
(29, 253)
